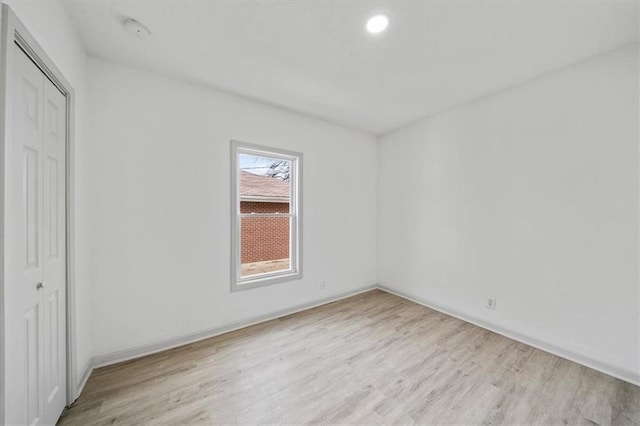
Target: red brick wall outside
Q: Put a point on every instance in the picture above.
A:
(258, 207)
(264, 238)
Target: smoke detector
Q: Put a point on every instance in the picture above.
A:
(136, 29)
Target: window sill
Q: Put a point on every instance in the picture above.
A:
(265, 280)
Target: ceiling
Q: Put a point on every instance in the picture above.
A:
(315, 56)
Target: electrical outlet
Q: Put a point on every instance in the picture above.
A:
(491, 303)
(323, 285)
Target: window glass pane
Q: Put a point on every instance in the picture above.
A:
(264, 184)
(264, 245)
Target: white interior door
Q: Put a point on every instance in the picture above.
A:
(55, 262)
(36, 260)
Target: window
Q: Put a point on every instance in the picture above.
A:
(265, 215)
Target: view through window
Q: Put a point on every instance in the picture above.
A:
(266, 217)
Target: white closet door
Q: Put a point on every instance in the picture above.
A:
(34, 263)
(54, 242)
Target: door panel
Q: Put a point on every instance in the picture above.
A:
(54, 294)
(53, 199)
(32, 365)
(31, 178)
(24, 236)
(52, 345)
(35, 262)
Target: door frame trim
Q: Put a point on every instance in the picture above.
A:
(13, 31)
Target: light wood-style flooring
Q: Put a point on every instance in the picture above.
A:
(370, 359)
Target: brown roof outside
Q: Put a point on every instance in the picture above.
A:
(259, 186)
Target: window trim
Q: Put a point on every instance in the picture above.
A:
(295, 213)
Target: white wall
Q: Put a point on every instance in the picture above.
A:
(49, 24)
(531, 196)
(160, 206)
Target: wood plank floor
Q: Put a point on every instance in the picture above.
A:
(370, 359)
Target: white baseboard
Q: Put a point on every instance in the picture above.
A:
(151, 348)
(604, 367)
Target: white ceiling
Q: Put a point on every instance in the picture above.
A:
(315, 56)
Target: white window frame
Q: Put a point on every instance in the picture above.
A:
(295, 235)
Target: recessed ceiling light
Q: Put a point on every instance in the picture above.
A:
(377, 24)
